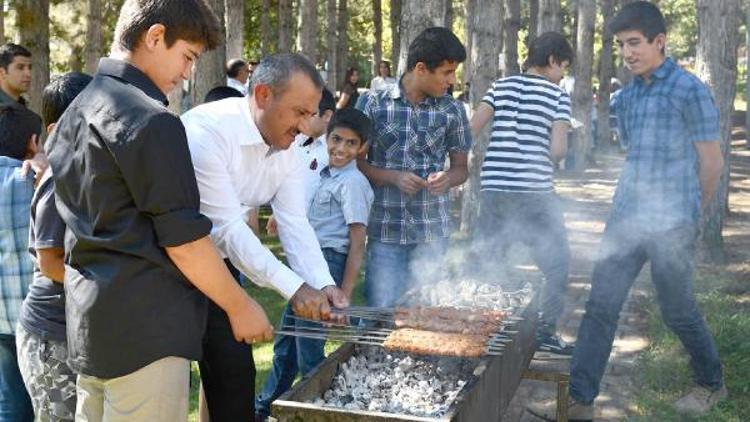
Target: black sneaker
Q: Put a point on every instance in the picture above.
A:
(552, 343)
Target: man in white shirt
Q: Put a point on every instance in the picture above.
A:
(237, 75)
(241, 155)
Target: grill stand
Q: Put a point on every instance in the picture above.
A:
(562, 381)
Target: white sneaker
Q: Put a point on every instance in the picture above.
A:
(547, 410)
(700, 400)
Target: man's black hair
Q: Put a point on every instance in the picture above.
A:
(221, 92)
(17, 125)
(59, 93)
(433, 47)
(9, 51)
(640, 16)
(327, 102)
(548, 44)
(234, 66)
(353, 119)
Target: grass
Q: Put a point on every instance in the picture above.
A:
(665, 374)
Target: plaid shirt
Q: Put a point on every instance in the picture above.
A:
(16, 268)
(417, 139)
(659, 188)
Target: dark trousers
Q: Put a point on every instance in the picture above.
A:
(15, 404)
(227, 368)
(624, 251)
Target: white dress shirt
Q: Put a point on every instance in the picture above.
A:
(236, 169)
(239, 86)
(314, 157)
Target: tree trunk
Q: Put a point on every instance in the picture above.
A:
(32, 20)
(308, 29)
(716, 63)
(265, 29)
(2, 22)
(511, 26)
(235, 23)
(533, 21)
(582, 92)
(469, 6)
(332, 46)
(485, 53)
(93, 35)
(623, 73)
(285, 26)
(606, 72)
(396, 6)
(377, 46)
(209, 69)
(175, 99)
(342, 23)
(416, 16)
(448, 14)
(747, 74)
(550, 18)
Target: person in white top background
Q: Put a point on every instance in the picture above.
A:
(241, 153)
(384, 80)
(238, 73)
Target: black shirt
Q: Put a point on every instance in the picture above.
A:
(125, 187)
(353, 95)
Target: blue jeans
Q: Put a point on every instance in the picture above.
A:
(624, 251)
(15, 404)
(392, 269)
(296, 354)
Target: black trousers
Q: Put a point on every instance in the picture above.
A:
(227, 368)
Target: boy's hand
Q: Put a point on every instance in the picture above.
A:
(38, 164)
(409, 183)
(438, 183)
(249, 323)
(271, 228)
(310, 303)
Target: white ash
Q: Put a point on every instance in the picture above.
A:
(376, 380)
(467, 293)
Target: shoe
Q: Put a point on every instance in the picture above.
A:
(700, 400)
(547, 410)
(554, 344)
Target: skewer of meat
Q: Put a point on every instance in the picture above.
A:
(450, 313)
(434, 343)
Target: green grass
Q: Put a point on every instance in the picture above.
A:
(663, 368)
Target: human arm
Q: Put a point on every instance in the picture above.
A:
(479, 119)
(52, 263)
(710, 165)
(439, 182)
(355, 256)
(343, 100)
(558, 146)
(408, 182)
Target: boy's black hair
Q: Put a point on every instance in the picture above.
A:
(9, 51)
(353, 119)
(548, 44)
(221, 92)
(640, 16)
(188, 20)
(59, 93)
(327, 102)
(433, 47)
(16, 127)
(234, 66)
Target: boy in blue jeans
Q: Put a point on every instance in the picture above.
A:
(19, 133)
(338, 212)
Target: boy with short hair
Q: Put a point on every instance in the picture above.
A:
(15, 74)
(19, 134)
(338, 212)
(140, 263)
(40, 334)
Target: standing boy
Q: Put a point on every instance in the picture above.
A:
(15, 74)
(530, 120)
(417, 125)
(671, 172)
(140, 263)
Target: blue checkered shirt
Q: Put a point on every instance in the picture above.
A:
(16, 268)
(417, 139)
(659, 188)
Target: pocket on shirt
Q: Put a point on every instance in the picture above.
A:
(323, 204)
(432, 140)
(388, 144)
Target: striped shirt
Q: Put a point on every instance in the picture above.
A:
(518, 155)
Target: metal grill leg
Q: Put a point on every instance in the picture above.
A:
(562, 400)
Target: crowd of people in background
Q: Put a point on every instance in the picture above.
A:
(127, 237)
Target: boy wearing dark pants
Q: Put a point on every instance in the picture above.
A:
(338, 212)
(40, 334)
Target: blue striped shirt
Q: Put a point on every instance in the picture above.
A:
(415, 138)
(660, 120)
(16, 268)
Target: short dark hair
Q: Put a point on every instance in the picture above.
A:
(640, 16)
(276, 70)
(327, 102)
(9, 51)
(16, 127)
(188, 20)
(433, 46)
(221, 92)
(548, 44)
(59, 93)
(234, 66)
(353, 119)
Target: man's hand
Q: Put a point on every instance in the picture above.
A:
(438, 183)
(38, 164)
(339, 299)
(249, 322)
(310, 303)
(271, 228)
(409, 183)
